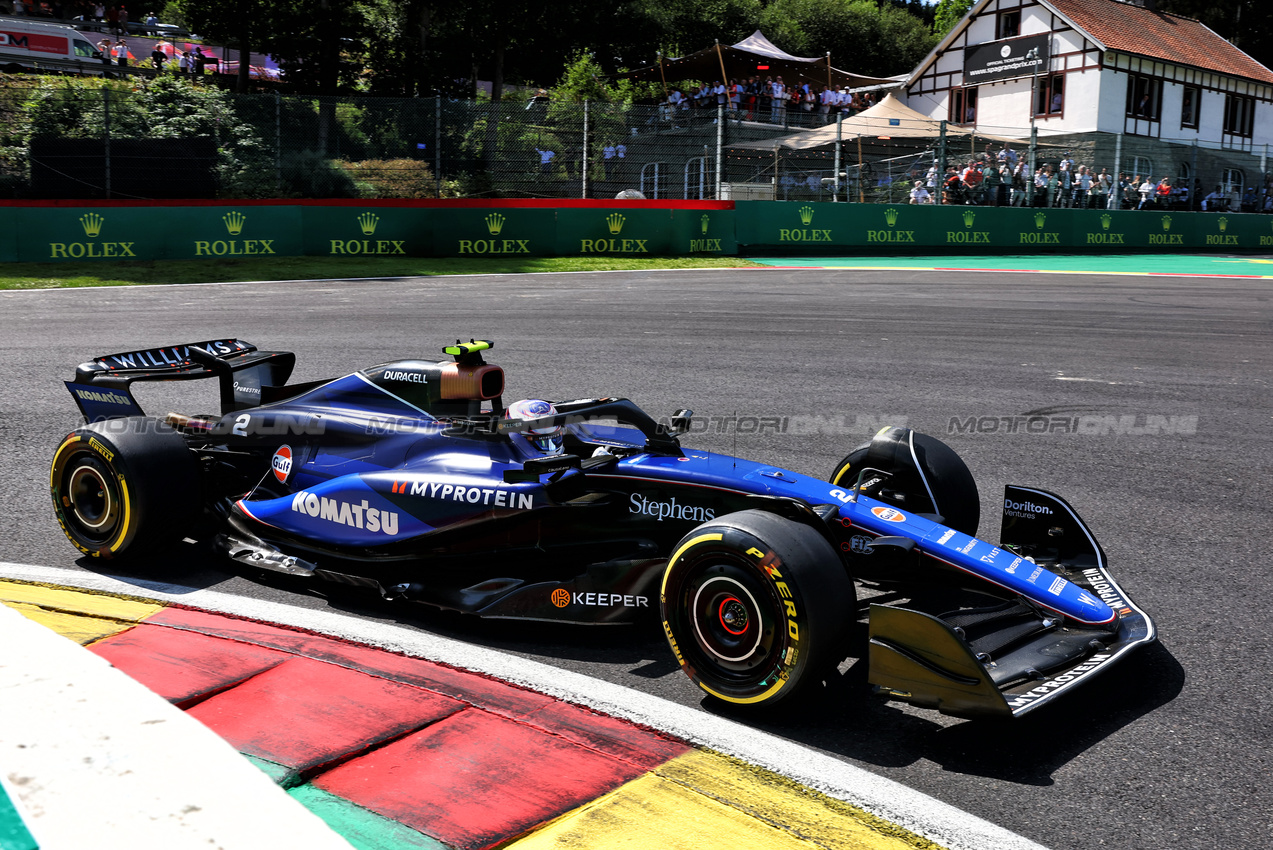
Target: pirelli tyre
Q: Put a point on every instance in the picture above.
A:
(949, 483)
(124, 487)
(756, 607)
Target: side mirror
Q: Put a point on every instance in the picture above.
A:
(680, 422)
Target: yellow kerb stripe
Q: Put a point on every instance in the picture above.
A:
(81, 615)
(703, 799)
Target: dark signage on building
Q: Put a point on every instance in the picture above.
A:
(1005, 60)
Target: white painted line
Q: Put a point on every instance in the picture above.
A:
(383, 279)
(98, 760)
(944, 824)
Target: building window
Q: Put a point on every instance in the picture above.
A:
(1049, 97)
(1239, 115)
(1009, 24)
(1190, 100)
(1143, 95)
(963, 105)
(1184, 178)
(1231, 181)
(1142, 166)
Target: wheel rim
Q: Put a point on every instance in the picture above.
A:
(91, 499)
(732, 621)
(726, 619)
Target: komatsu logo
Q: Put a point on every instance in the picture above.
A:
(105, 398)
(1025, 510)
(353, 514)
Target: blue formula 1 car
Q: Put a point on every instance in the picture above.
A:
(413, 479)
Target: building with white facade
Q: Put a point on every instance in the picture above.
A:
(1123, 85)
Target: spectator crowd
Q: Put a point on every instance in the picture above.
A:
(768, 99)
(1003, 178)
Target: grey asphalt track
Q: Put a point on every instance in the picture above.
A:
(1172, 750)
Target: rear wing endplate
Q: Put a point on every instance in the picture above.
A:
(102, 385)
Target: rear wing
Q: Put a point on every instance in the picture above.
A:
(102, 385)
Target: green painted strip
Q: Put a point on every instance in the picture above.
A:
(363, 829)
(1122, 264)
(14, 834)
(281, 774)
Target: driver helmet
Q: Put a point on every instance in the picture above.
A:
(547, 440)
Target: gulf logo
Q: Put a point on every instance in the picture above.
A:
(282, 463)
(889, 514)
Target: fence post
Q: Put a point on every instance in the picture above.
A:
(939, 188)
(1111, 204)
(1034, 147)
(583, 168)
(839, 130)
(278, 143)
(106, 140)
(437, 142)
(720, 144)
(1193, 190)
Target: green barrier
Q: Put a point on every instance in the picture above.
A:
(627, 231)
(494, 232)
(8, 235)
(110, 233)
(251, 231)
(61, 234)
(72, 234)
(803, 227)
(350, 231)
(703, 232)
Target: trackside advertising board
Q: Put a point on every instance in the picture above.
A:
(59, 232)
(56, 232)
(112, 233)
(899, 228)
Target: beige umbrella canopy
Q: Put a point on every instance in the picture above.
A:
(890, 118)
(754, 56)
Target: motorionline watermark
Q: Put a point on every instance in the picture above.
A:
(714, 424)
(1085, 425)
(236, 425)
(803, 425)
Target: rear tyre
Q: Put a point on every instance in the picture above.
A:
(947, 483)
(124, 487)
(757, 608)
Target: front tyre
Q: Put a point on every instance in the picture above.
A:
(756, 607)
(927, 472)
(123, 487)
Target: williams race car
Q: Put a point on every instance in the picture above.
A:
(411, 478)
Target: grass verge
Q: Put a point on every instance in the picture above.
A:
(66, 275)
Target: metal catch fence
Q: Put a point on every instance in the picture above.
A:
(175, 139)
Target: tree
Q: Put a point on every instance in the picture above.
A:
(166, 107)
(235, 23)
(861, 36)
(1248, 24)
(949, 13)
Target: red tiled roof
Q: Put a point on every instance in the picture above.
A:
(1157, 35)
